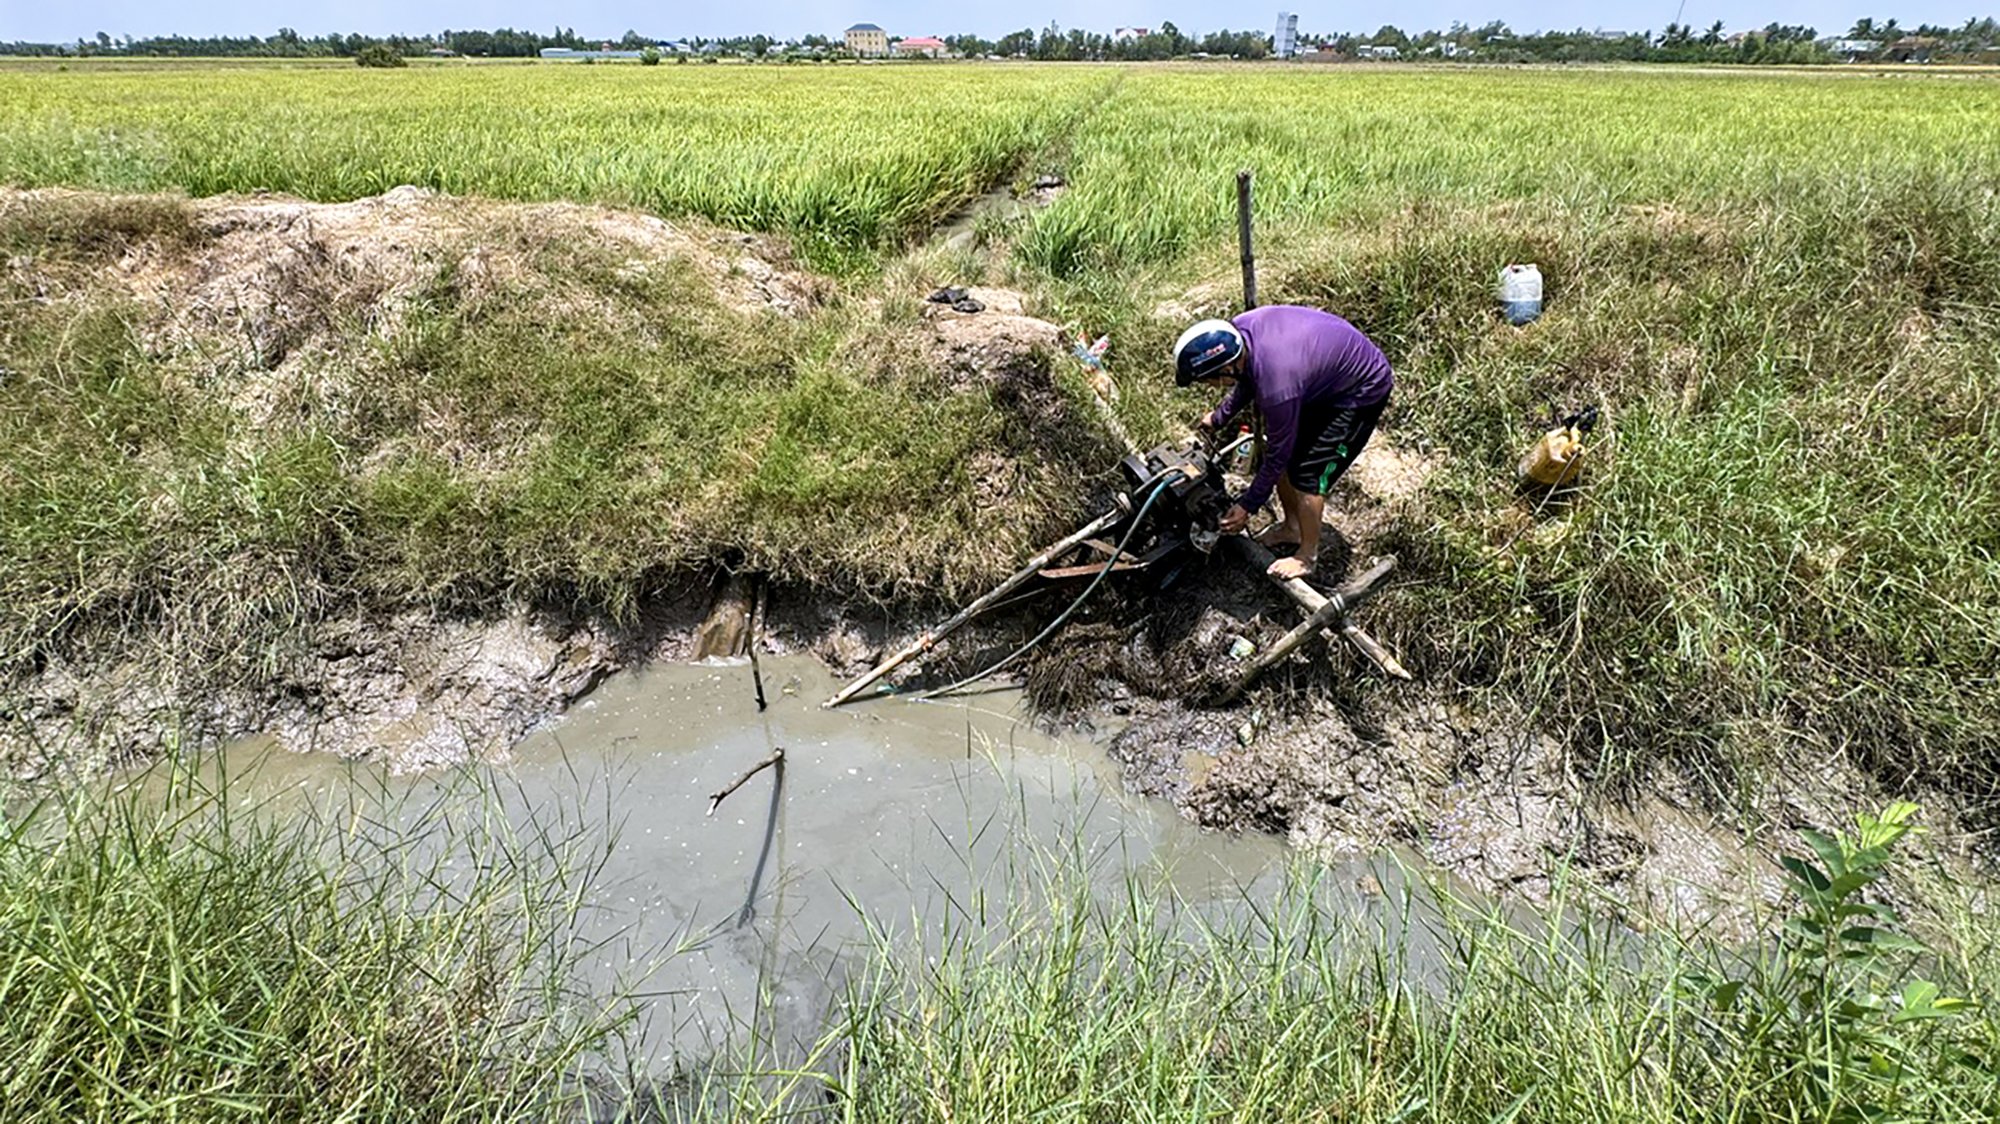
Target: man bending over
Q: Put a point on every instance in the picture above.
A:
(1321, 385)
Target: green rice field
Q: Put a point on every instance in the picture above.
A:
(1783, 291)
(857, 164)
(1781, 288)
(870, 157)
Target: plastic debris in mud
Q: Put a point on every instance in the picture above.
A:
(1091, 356)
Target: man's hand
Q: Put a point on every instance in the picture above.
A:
(1234, 520)
(1207, 422)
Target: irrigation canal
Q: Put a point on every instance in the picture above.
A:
(898, 815)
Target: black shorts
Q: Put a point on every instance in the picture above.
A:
(1329, 439)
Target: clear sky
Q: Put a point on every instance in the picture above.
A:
(66, 20)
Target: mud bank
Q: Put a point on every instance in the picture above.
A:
(1323, 757)
(1333, 760)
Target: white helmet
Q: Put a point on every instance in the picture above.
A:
(1204, 350)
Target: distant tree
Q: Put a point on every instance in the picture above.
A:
(1017, 42)
(649, 57)
(379, 54)
(1389, 35)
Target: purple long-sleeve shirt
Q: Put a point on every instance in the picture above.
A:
(1299, 357)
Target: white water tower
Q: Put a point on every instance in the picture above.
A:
(1285, 43)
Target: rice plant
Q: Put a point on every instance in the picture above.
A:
(169, 951)
(849, 162)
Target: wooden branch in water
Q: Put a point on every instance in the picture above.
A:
(715, 799)
(929, 639)
(757, 596)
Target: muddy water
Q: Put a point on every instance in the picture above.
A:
(890, 814)
(888, 811)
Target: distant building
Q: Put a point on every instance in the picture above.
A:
(1855, 50)
(1285, 43)
(1368, 51)
(867, 40)
(1127, 34)
(923, 46)
(1913, 48)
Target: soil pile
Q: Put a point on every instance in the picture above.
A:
(277, 315)
(275, 307)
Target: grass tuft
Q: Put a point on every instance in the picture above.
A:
(168, 953)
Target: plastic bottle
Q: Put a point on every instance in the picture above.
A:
(1521, 293)
(1555, 460)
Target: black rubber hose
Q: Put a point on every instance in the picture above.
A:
(1165, 479)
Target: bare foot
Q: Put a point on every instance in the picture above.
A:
(1290, 568)
(1278, 534)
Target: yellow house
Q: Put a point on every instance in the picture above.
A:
(867, 40)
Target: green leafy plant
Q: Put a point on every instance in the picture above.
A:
(1836, 1018)
(379, 54)
(649, 57)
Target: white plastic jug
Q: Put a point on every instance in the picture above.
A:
(1521, 293)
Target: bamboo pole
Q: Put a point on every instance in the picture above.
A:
(929, 639)
(1313, 601)
(1332, 613)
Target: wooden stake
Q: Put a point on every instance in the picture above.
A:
(929, 639)
(1249, 256)
(1243, 238)
(757, 595)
